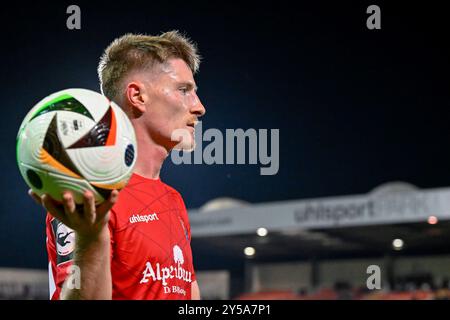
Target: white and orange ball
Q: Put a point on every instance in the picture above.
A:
(76, 140)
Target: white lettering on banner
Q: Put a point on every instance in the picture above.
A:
(404, 205)
(211, 221)
(374, 208)
(333, 212)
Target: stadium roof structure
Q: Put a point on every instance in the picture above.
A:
(334, 227)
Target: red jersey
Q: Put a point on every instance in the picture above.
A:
(151, 255)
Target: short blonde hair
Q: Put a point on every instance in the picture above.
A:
(136, 51)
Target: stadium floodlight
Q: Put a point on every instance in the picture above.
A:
(262, 232)
(432, 220)
(398, 244)
(249, 251)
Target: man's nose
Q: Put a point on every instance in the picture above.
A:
(198, 107)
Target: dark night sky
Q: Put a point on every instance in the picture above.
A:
(355, 108)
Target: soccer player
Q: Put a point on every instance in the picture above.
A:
(136, 246)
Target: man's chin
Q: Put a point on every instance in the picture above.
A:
(184, 139)
(186, 147)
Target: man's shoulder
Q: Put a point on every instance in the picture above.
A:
(144, 191)
(176, 194)
(171, 189)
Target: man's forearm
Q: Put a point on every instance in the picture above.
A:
(92, 257)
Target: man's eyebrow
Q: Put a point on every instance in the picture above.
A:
(189, 84)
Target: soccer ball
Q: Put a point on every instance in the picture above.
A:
(76, 140)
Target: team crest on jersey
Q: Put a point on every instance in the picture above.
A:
(177, 255)
(64, 241)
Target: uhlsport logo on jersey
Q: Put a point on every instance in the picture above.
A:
(135, 218)
(161, 273)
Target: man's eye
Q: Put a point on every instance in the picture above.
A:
(184, 90)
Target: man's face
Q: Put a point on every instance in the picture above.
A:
(173, 107)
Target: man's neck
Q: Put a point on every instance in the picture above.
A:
(150, 156)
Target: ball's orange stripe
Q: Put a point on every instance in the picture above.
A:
(46, 158)
(118, 185)
(112, 131)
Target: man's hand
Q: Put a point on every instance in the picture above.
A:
(92, 248)
(87, 223)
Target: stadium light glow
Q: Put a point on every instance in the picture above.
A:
(262, 232)
(249, 251)
(432, 220)
(398, 244)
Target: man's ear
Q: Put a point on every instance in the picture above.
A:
(136, 97)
